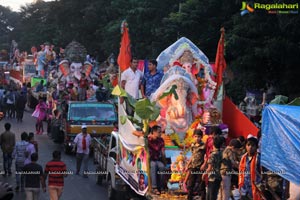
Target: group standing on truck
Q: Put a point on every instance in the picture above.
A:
(167, 138)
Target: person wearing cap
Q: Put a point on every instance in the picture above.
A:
(82, 142)
(230, 161)
(250, 171)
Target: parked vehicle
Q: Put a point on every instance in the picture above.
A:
(106, 156)
(99, 118)
(109, 157)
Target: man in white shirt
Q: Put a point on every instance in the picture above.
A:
(82, 142)
(131, 79)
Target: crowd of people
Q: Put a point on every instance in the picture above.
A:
(30, 176)
(219, 168)
(13, 101)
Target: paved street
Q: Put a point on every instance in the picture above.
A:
(76, 187)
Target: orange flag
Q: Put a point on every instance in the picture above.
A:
(220, 63)
(125, 52)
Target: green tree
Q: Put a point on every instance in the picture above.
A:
(8, 23)
(265, 53)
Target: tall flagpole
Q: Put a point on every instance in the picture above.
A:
(220, 66)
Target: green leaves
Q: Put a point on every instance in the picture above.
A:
(120, 92)
(146, 110)
(171, 91)
(143, 108)
(123, 119)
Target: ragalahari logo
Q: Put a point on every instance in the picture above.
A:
(246, 8)
(270, 8)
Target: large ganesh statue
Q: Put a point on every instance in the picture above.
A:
(74, 64)
(189, 69)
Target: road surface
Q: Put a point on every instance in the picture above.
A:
(76, 187)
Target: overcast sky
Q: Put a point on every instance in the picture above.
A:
(16, 4)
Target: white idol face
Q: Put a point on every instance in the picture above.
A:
(76, 69)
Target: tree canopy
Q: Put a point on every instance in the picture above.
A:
(260, 49)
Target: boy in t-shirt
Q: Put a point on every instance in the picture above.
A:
(213, 169)
(194, 164)
(56, 170)
(33, 175)
(213, 131)
(229, 162)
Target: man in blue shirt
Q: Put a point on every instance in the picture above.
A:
(151, 80)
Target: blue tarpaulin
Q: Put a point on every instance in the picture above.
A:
(280, 145)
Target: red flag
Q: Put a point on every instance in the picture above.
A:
(220, 63)
(125, 52)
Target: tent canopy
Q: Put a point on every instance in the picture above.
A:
(280, 145)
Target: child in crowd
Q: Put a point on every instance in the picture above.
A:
(213, 131)
(250, 171)
(213, 169)
(194, 164)
(32, 141)
(229, 162)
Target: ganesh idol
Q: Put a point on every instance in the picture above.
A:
(74, 64)
(195, 90)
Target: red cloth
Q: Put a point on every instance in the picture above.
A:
(55, 170)
(88, 69)
(239, 123)
(83, 83)
(115, 81)
(209, 146)
(242, 172)
(220, 63)
(63, 69)
(84, 142)
(124, 57)
(141, 65)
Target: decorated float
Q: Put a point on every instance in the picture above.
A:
(69, 72)
(183, 102)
